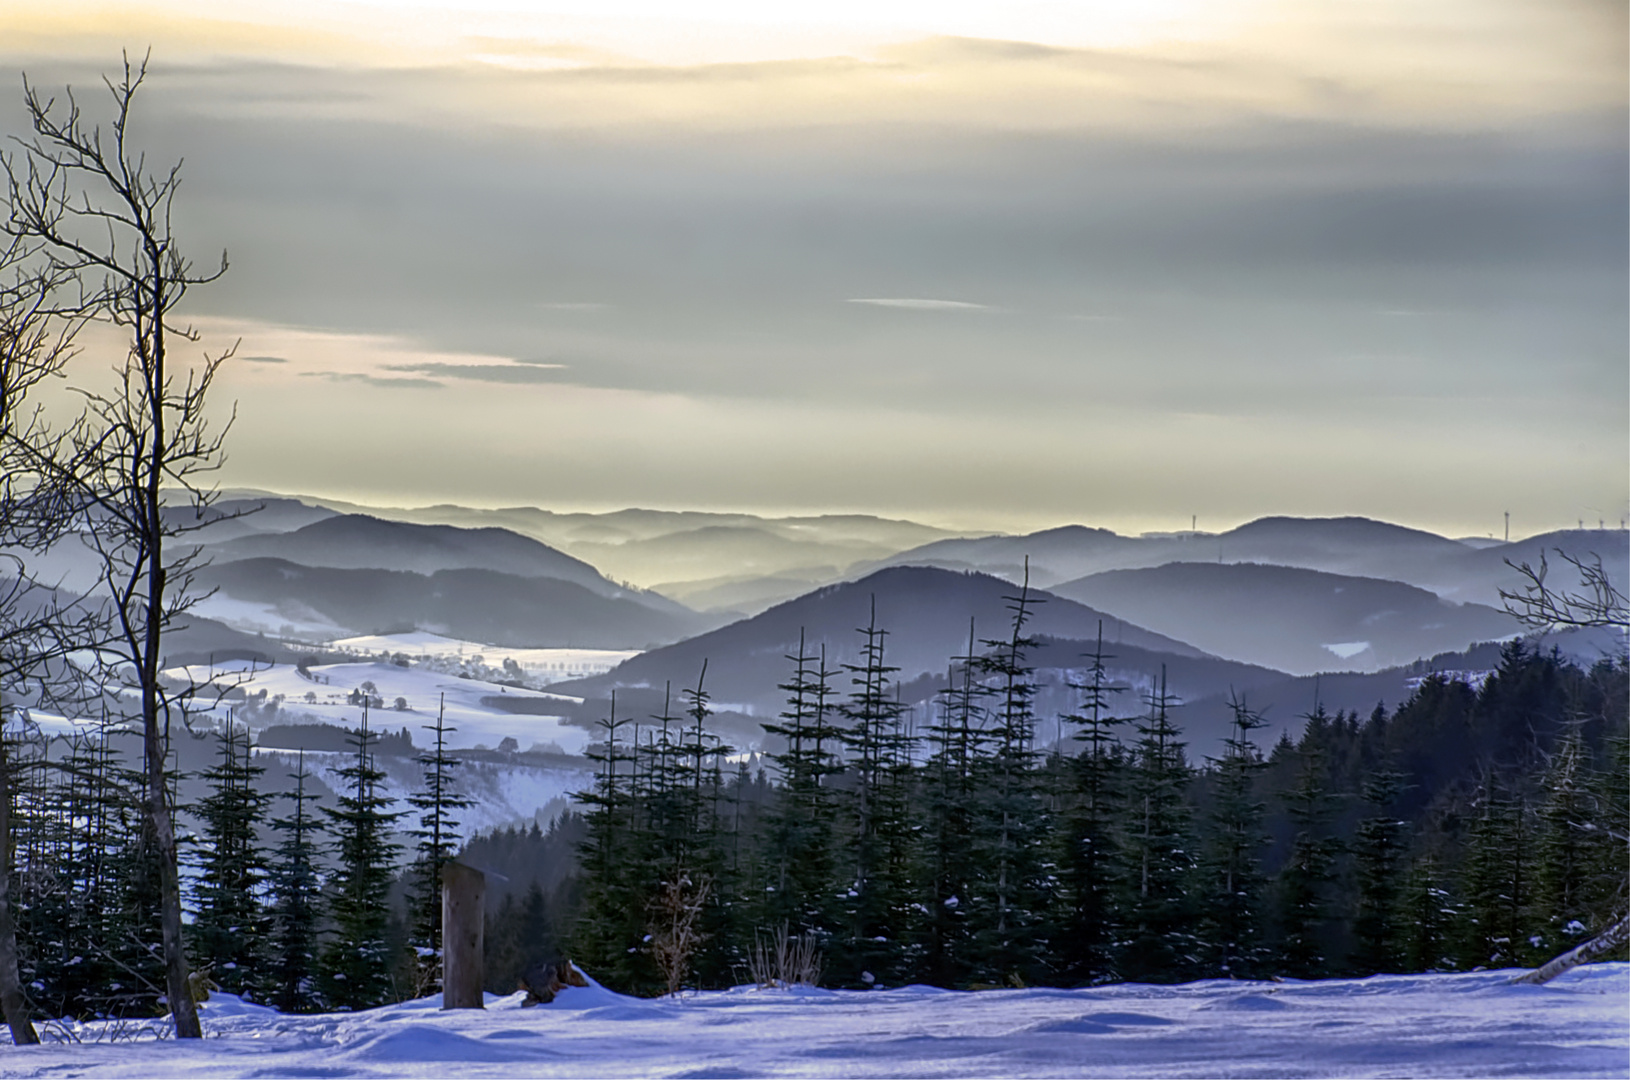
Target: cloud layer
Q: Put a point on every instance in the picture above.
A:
(981, 281)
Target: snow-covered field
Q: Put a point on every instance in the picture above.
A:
(473, 706)
(544, 665)
(1409, 1026)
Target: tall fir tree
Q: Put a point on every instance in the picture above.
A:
(799, 834)
(436, 844)
(1428, 916)
(1497, 882)
(229, 930)
(356, 960)
(879, 893)
(1380, 846)
(1090, 862)
(1011, 921)
(1233, 894)
(296, 907)
(1305, 883)
(952, 859)
(1160, 943)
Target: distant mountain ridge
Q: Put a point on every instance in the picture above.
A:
(362, 542)
(925, 611)
(470, 604)
(1354, 546)
(1296, 620)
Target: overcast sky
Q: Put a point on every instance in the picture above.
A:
(1114, 264)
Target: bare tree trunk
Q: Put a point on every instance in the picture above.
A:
(1612, 938)
(12, 1001)
(148, 430)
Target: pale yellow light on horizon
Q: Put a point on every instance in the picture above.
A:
(659, 32)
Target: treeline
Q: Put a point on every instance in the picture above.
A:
(323, 908)
(1472, 827)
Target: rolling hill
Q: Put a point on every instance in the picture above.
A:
(471, 604)
(926, 612)
(1299, 621)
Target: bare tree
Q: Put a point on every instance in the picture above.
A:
(1594, 601)
(136, 460)
(35, 343)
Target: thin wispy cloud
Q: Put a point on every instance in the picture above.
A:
(264, 359)
(913, 303)
(383, 381)
(510, 374)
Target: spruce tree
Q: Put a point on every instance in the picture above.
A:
(356, 961)
(1011, 930)
(1305, 883)
(799, 833)
(437, 844)
(1497, 882)
(611, 858)
(1379, 848)
(1427, 916)
(296, 908)
(952, 855)
(229, 931)
(1090, 861)
(879, 893)
(1160, 943)
(1233, 893)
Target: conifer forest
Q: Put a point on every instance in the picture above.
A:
(1473, 826)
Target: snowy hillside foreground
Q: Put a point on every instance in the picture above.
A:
(1416, 1026)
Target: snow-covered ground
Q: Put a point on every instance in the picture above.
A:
(542, 665)
(484, 713)
(1410, 1026)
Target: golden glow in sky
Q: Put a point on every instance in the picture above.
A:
(993, 264)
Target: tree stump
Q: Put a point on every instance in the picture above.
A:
(463, 915)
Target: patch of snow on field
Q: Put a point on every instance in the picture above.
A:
(1420, 1025)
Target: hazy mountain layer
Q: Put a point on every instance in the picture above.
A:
(471, 604)
(1359, 547)
(357, 541)
(925, 611)
(1299, 621)
(650, 546)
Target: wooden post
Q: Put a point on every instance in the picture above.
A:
(463, 913)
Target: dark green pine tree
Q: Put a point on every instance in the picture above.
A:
(1609, 830)
(1010, 923)
(704, 857)
(1157, 848)
(356, 960)
(1497, 882)
(1380, 845)
(1562, 877)
(612, 858)
(133, 943)
(229, 931)
(1090, 861)
(951, 852)
(437, 840)
(798, 838)
(1427, 917)
(1234, 890)
(878, 896)
(1305, 882)
(296, 908)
